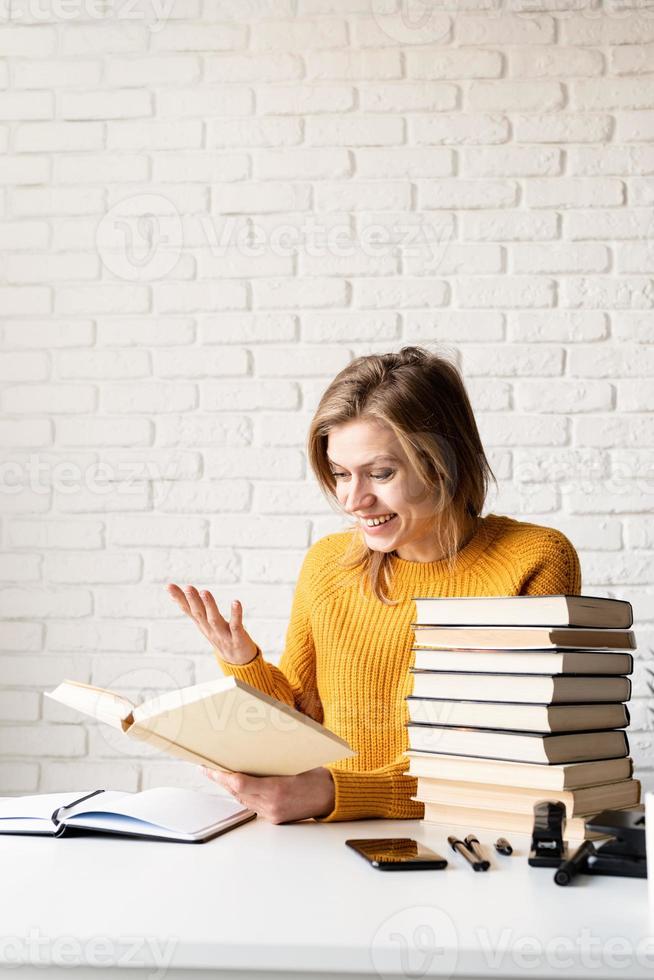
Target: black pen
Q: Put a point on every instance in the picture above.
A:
(567, 871)
(458, 846)
(502, 846)
(473, 845)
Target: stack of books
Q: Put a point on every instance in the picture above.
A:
(520, 699)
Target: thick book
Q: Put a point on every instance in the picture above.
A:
(222, 724)
(518, 717)
(522, 688)
(578, 802)
(543, 610)
(525, 662)
(503, 821)
(521, 638)
(572, 775)
(564, 776)
(164, 813)
(519, 746)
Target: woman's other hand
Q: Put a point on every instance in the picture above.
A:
(281, 799)
(230, 639)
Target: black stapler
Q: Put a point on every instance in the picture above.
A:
(548, 849)
(624, 853)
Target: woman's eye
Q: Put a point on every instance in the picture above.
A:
(375, 476)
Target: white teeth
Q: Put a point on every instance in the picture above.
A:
(376, 521)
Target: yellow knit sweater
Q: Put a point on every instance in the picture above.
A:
(346, 660)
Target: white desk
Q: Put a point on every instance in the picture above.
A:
(294, 899)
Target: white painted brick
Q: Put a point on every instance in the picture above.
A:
(259, 197)
(298, 35)
(48, 267)
(41, 740)
(454, 63)
(626, 28)
(57, 74)
(571, 193)
(102, 497)
(489, 398)
(20, 568)
(49, 399)
(288, 498)
(248, 328)
(252, 531)
(554, 62)
(352, 64)
(605, 293)
(96, 635)
(399, 293)
(600, 534)
(641, 192)
(204, 430)
(513, 360)
(458, 193)
(330, 328)
(19, 778)
(27, 42)
(621, 160)
(509, 226)
(454, 327)
(279, 362)
(615, 224)
(633, 431)
(359, 130)
(27, 300)
(454, 259)
(150, 398)
(167, 70)
(405, 162)
(57, 200)
(513, 161)
(459, 129)
(154, 134)
(79, 567)
(362, 196)
(255, 131)
(42, 333)
(279, 66)
(560, 258)
(19, 170)
(502, 96)
(205, 101)
(296, 100)
(241, 261)
(512, 429)
(158, 532)
(57, 136)
(635, 257)
(514, 292)
(55, 534)
(186, 297)
(200, 37)
(282, 429)
(21, 671)
(635, 396)
(599, 361)
(206, 496)
(125, 104)
(207, 567)
(45, 603)
(102, 365)
(119, 602)
(635, 126)
(564, 396)
(100, 168)
(21, 636)
(636, 327)
(126, 332)
(638, 532)
(557, 326)
(58, 777)
(385, 28)
(30, 432)
(356, 264)
(613, 93)
(73, 233)
(24, 366)
(504, 28)
(99, 431)
(247, 395)
(563, 127)
(314, 293)
(307, 164)
(26, 105)
(408, 97)
(17, 235)
(200, 166)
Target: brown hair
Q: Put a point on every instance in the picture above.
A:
(421, 397)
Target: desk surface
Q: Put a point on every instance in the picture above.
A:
(294, 898)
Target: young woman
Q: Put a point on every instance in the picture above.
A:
(394, 444)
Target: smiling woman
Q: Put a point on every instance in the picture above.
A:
(395, 447)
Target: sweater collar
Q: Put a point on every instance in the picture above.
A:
(424, 572)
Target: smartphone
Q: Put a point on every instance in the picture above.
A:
(397, 854)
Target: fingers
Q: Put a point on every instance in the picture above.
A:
(213, 615)
(196, 604)
(176, 593)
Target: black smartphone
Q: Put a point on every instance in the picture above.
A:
(397, 854)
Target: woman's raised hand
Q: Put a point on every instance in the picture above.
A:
(230, 639)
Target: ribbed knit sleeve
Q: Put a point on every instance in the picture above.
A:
(294, 681)
(556, 570)
(384, 792)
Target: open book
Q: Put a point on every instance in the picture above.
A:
(222, 724)
(164, 813)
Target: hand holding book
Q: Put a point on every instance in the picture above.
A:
(230, 639)
(281, 799)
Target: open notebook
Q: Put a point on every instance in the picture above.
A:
(164, 813)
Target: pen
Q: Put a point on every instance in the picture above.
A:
(567, 871)
(473, 845)
(458, 846)
(502, 846)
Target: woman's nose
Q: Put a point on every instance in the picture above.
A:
(359, 498)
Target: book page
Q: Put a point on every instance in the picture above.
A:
(106, 706)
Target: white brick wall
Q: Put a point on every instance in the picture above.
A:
(327, 178)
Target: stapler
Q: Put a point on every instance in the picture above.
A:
(624, 854)
(548, 848)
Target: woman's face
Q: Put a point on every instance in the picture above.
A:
(374, 479)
